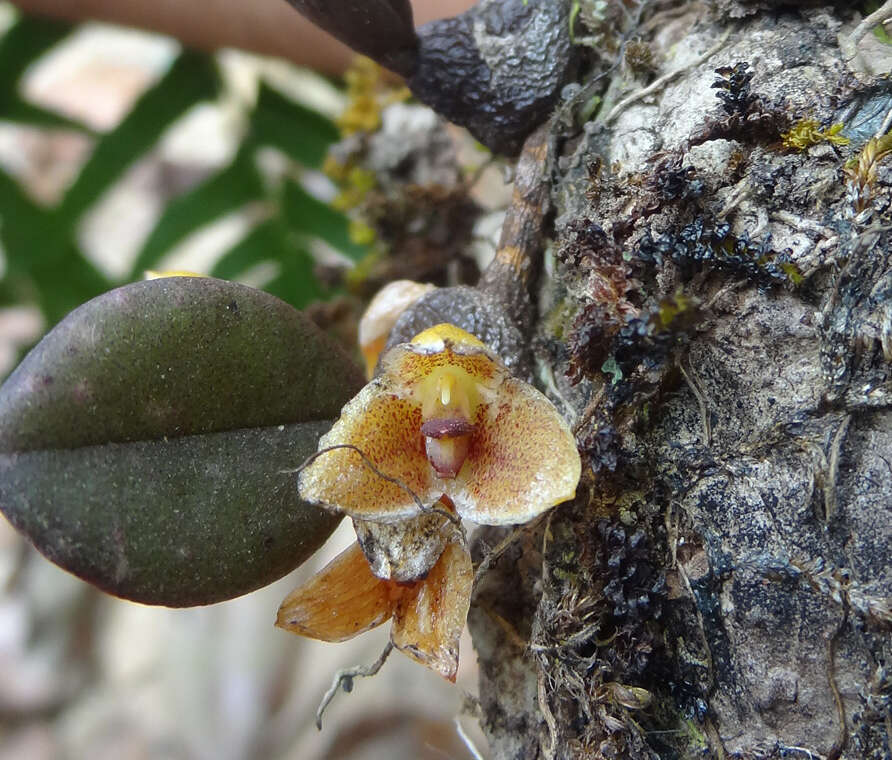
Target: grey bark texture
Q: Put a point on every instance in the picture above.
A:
(715, 321)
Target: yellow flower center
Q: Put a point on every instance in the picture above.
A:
(449, 398)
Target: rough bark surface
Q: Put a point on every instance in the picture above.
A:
(716, 322)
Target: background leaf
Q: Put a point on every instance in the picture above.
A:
(300, 133)
(22, 45)
(310, 216)
(223, 192)
(192, 78)
(44, 245)
(42, 253)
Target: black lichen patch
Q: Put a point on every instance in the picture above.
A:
(631, 365)
(747, 116)
(675, 183)
(601, 442)
(706, 243)
(635, 588)
(733, 85)
(645, 343)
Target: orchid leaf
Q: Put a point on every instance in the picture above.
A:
(148, 442)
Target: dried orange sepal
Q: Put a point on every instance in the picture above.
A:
(341, 601)
(444, 416)
(430, 616)
(344, 599)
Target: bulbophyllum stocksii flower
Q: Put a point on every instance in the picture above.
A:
(455, 435)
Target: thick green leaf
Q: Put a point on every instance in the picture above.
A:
(233, 187)
(143, 441)
(179, 522)
(191, 79)
(307, 215)
(302, 134)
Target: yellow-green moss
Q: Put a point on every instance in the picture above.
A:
(807, 132)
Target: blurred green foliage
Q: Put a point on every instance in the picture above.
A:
(879, 31)
(44, 262)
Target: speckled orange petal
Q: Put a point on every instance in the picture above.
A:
(522, 460)
(430, 616)
(341, 601)
(387, 429)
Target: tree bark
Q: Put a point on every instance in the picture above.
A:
(720, 586)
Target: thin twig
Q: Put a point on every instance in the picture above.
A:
(715, 739)
(884, 127)
(548, 715)
(835, 454)
(701, 624)
(801, 223)
(725, 289)
(879, 16)
(590, 408)
(507, 628)
(812, 755)
(739, 193)
(843, 735)
(701, 397)
(344, 679)
(662, 81)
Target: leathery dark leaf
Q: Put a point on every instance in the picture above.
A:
(145, 442)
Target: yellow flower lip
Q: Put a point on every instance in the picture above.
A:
(445, 417)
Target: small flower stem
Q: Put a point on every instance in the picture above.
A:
(344, 679)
